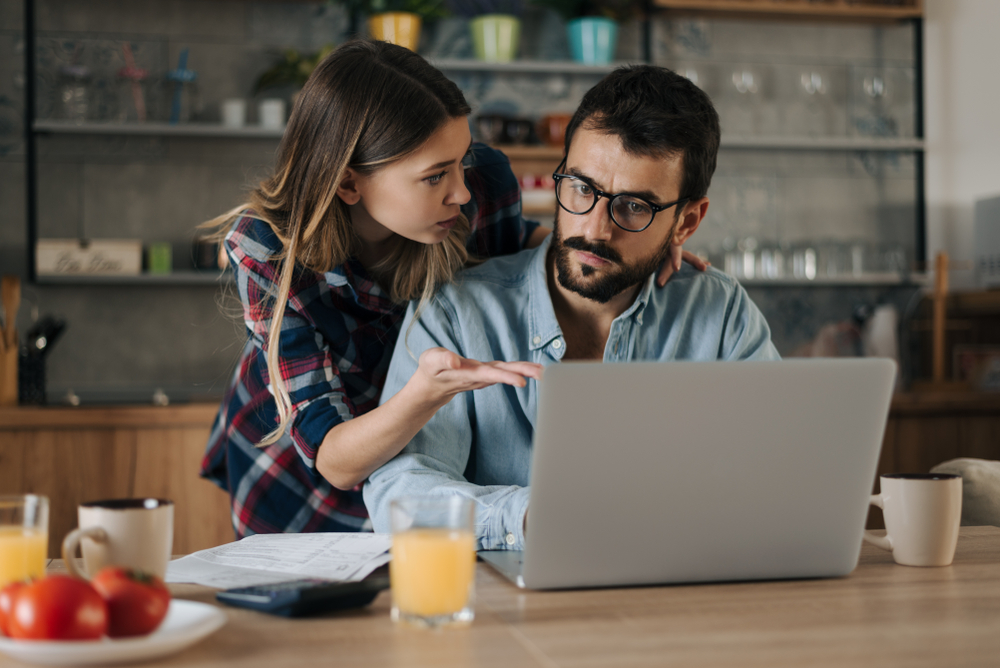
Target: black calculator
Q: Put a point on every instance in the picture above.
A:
(310, 596)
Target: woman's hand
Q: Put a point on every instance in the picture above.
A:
(353, 449)
(673, 263)
(442, 374)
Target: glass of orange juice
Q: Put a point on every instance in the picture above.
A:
(24, 537)
(433, 560)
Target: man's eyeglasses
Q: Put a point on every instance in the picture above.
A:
(631, 213)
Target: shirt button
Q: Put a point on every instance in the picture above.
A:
(557, 344)
(510, 538)
(639, 318)
(536, 340)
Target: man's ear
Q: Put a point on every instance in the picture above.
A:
(691, 217)
(348, 190)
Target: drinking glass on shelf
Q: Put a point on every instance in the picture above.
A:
(433, 560)
(132, 94)
(74, 92)
(804, 263)
(741, 110)
(893, 259)
(771, 263)
(24, 537)
(831, 260)
(747, 264)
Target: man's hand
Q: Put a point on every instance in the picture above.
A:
(673, 263)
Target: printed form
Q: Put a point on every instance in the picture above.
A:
(268, 558)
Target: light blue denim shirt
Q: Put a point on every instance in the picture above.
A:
(479, 444)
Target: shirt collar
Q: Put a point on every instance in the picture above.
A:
(337, 277)
(543, 326)
(351, 279)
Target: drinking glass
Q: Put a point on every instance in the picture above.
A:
(433, 560)
(24, 537)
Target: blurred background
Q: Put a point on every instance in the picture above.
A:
(857, 141)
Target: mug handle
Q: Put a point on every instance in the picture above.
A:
(72, 541)
(885, 542)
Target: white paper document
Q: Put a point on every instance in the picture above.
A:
(267, 558)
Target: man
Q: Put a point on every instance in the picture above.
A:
(640, 153)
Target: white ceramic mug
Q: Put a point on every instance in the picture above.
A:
(271, 113)
(922, 514)
(234, 113)
(135, 533)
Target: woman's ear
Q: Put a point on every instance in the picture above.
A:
(348, 190)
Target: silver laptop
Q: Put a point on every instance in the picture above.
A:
(653, 473)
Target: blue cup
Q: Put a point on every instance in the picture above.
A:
(592, 39)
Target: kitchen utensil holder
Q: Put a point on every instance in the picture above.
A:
(8, 376)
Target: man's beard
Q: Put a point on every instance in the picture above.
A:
(614, 280)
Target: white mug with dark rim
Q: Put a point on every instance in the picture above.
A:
(922, 514)
(134, 533)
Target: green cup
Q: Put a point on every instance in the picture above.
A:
(159, 258)
(495, 37)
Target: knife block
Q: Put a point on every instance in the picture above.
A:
(31, 380)
(8, 376)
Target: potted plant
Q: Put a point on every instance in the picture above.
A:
(398, 21)
(494, 25)
(291, 69)
(591, 26)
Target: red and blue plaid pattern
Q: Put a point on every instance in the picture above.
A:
(337, 337)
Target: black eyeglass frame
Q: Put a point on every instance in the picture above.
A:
(656, 208)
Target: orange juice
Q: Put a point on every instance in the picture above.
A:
(432, 571)
(22, 553)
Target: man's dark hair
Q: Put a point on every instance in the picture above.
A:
(655, 112)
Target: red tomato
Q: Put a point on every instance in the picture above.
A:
(7, 595)
(58, 607)
(137, 601)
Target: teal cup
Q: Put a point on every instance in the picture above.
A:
(592, 40)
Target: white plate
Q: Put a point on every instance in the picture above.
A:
(187, 622)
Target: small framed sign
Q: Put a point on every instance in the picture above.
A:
(81, 257)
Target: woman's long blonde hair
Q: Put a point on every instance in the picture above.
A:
(366, 105)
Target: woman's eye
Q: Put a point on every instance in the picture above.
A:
(436, 179)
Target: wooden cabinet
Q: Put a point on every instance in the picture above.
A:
(72, 455)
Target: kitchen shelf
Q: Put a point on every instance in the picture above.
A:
(512, 151)
(872, 279)
(812, 9)
(823, 143)
(156, 129)
(516, 152)
(173, 278)
(524, 66)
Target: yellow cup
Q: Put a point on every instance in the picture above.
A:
(24, 537)
(402, 28)
(433, 560)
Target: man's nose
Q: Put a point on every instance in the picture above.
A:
(598, 223)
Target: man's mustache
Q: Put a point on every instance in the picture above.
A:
(599, 249)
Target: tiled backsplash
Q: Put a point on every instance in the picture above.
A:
(767, 79)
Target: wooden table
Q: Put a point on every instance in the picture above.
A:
(880, 615)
